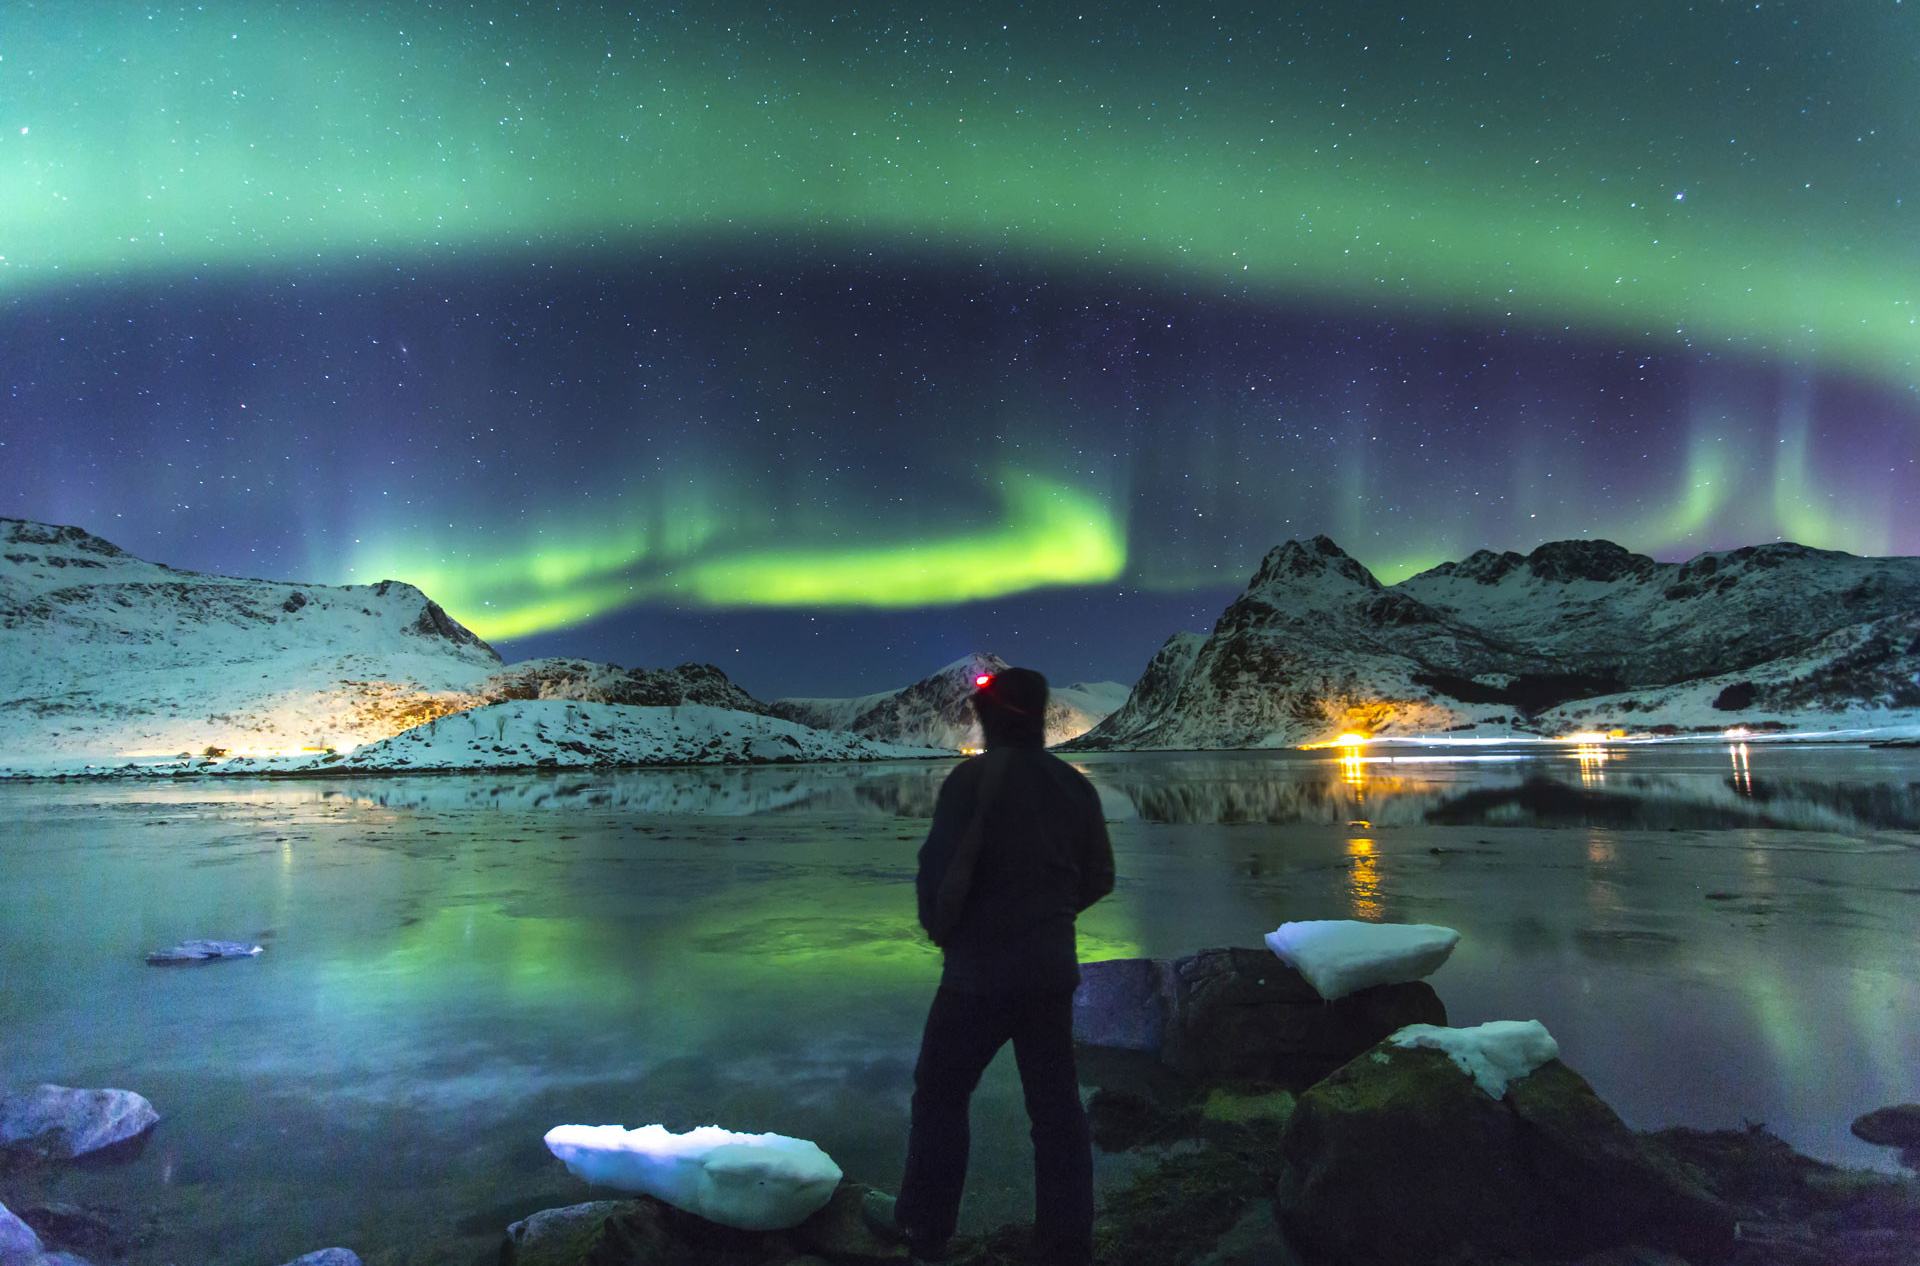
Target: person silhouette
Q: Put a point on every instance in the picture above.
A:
(1017, 849)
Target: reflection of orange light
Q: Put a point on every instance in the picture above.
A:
(1592, 758)
(1363, 880)
(1742, 769)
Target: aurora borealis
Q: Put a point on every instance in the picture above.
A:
(751, 333)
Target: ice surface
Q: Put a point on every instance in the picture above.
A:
(1493, 1054)
(1342, 956)
(756, 1182)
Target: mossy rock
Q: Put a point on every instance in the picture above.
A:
(1399, 1158)
(1262, 1107)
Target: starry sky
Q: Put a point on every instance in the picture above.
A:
(830, 344)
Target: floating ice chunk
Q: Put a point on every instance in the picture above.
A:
(756, 1182)
(200, 951)
(1493, 1054)
(1340, 956)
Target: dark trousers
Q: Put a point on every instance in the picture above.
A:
(964, 1032)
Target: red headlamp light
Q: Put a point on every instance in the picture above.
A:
(983, 681)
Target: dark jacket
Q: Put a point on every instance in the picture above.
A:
(1044, 858)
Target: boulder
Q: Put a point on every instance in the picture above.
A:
(1896, 1126)
(1255, 1240)
(327, 1257)
(839, 1233)
(1226, 1014)
(1122, 1003)
(93, 1232)
(58, 1123)
(600, 1231)
(18, 1243)
(192, 953)
(1399, 1157)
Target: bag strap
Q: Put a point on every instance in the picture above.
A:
(957, 882)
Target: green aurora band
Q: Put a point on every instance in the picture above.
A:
(343, 136)
(1051, 534)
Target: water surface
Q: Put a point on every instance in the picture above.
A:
(454, 964)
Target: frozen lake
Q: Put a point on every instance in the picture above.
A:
(1715, 936)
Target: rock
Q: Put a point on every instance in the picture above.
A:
(1121, 1120)
(190, 953)
(88, 1231)
(1241, 1014)
(328, 1257)
(1399, 1157)
(601, 1232)
(1122, 1003)
(1255, 1240)
(1896, 1126)
(58, 1123)
(18, 1243)
(839, 1233)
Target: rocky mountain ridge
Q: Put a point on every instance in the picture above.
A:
(1576, 635)
(933, 712)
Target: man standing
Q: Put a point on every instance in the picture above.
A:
(1018, 848)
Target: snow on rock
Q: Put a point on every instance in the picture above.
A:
(755, 1182)
(327, 1257)
(197, 951)
(60, 1123)
(1493, 1054)
(1343, 956)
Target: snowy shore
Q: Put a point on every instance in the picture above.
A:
(524, 735)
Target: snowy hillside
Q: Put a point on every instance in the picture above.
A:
(106, 659)
(1578, 635)
(933, 712)
(562, 734)
(103, 653)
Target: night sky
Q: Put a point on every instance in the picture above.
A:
(830, 345)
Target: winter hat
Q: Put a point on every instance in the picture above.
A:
(1020, 691)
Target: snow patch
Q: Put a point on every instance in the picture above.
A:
(1343, 956)
(1493, 1054)
(756, 1182)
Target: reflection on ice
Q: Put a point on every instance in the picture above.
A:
(1818, 789)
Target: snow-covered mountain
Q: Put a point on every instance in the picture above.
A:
(106, 658)
(933, 711)
(1576, 635)
(103, 653)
